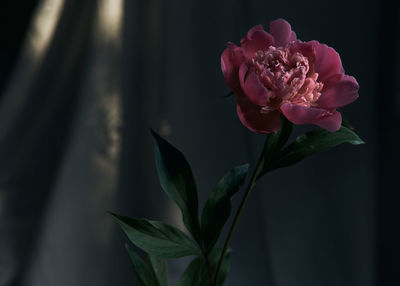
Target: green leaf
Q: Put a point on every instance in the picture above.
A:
(314, 142)
(159, 266)
(218, 207)
(177, 181)
(157, 238)
(226, 264)
(144, 274)
(197, 273)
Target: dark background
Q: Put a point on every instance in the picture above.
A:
(75, 142)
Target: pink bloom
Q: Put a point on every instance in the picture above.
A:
(276, 73)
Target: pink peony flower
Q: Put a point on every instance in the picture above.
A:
(276, 73)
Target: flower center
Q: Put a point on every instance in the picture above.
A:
(288, 76)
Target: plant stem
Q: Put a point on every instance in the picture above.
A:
(240, 210)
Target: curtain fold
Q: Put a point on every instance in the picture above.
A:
(91, 80)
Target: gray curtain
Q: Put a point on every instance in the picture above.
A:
(94, 76)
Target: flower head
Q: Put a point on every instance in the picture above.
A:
(276, 73)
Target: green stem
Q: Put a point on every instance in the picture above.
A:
(240, 209)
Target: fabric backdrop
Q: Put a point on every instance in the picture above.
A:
(91, 78)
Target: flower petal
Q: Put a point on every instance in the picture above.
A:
(327, 61)
(339, 90)
(252, 87)
(331, 122)
(256, 39)
(306, 49)
(298, 114)
(282, 32)
(251, 32)
(243, 72)
(231, 60)
(252, 117)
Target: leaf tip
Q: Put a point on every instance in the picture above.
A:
(360, 142)
(242, 170)
(117, 218)
(155, 134)
(111, 213)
